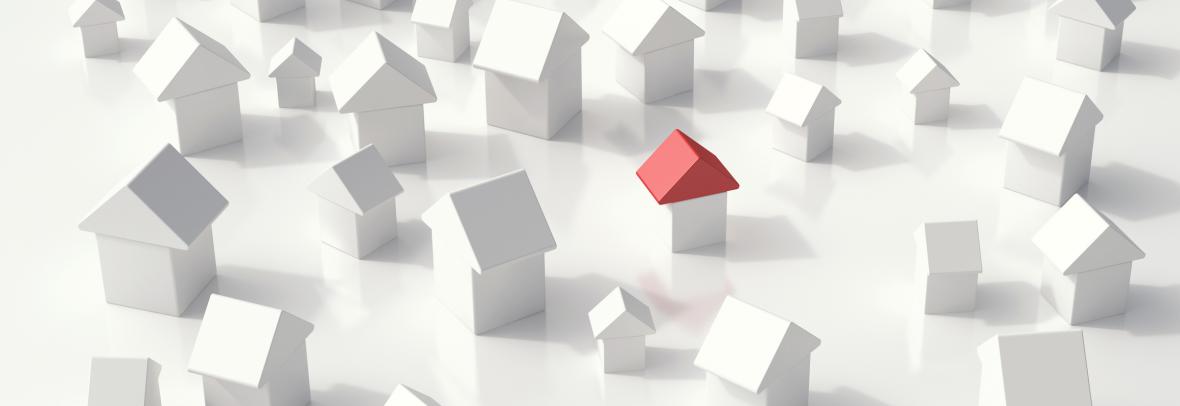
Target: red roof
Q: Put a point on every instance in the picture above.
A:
(681, 169)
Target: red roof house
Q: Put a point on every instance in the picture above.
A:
(681, 169)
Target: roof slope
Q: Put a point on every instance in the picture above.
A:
(643, 26)
(438, 13)
(681, 169)
(243, 342)
(378, 75)
(804, 9)
(798, 100)
(923, 73)
(499, 220)
(94, 12)
(359, 182)
(295, 60)
(620, 314)
(166, 203)
(182, 61)
(403, 395)
(951, 246)
(1103, 13)
(527, 41)
(1046, 368)
(1043, 116)
(747, 345)
(124, 382)
(1078, 238)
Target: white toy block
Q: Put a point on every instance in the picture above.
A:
(620, 323)
(376, 4)
(96, 20)
(264, 10)
(1090, 32)
(813, 26)
(405, 396)
(805, 116)
(948, 265)
(295, 67)
(692, 183)
(930, 83)
(124, 382)
(704, 4)
(358, 209)
(697, 222)
(655, 57)
(1034, 369)
(622, 354)
(398, 133)
(947, 3)
(442, 28)
(1050, 131)
(207, 120)
(532, 65)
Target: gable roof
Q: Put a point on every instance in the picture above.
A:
(403, 395)
(166, 203)
(245, 343)
(620, 314)
(805, 9)
(182, 61)
(1078, 238)
(378, 75)
(438, 13)
(124, 381)
(496, 221)
(527, 41)
(950, 246)
(295, 60)
(643, 26)
(94, 12)
(923, 73)
(359, 182)
(1045, 368)
(747, 345)
(798, 100)
(681, 169)
(1103, 13)
(1043, 116)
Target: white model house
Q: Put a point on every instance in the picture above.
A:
(532, 63)
(489, 244)
(358, 209)
(621, 324)
(1034, 369)
(655, 54)
(704, 4)
(1087, 266)
(1050, 131)
(812, 26)
(263, 10)
(199, 78)
(948, 265)
(804, 118)
(1090, 32)
(405, 396)
(753, 357)
(155, 236)
(692, 184)
(248, 354)
(930, 83)
(385, 88)
(295, 68)
(442, 28)
(377, 4)
(116, 381)
(96, 20)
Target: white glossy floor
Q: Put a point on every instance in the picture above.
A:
(827, 244)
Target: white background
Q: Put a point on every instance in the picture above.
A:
(826, 244)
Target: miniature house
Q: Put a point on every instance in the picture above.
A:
(155, 236)
(377, 4)
(804, 118)
(621, 324)
(532, 62)
(358, 212)
(199, 78)
(96, 20)
(947, 3)
(930, 83)
(1050, 131)
(385, 88)
(489, 244)
(655, 55)
(1034, 369)
(949, 264)
(442, 28)
(124, 382)
(251, 355)
(295, 68)
(753, 357)
(692, 183)
(263, 10)
(1087, 269)
(405, 396)
(1090, 32)
(704, 4)
(812, 26)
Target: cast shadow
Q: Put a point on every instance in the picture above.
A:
(1004, 304)
(566, 302)
(844, 396)
(1131, 193)
(729, 90)
(294, 18)
(325, 101)
(412, 246)
(870, 48)
(858, 152)
(972, 117)
(132, 49)
(1151, 311)
(571, 132)
(300, 295)
(762, 10)
(347, 395)
(996, 8)
(466, 156)
(671, 364)
(269, 141)
(758, 239)
(1138, 58)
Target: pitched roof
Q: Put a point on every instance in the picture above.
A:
(94, 12)
(747, 346)
(295, 60)
(681, 169)
(405, 396)
(1078, 238)
(182, 61)
(1043, 116)
(798, 100)
(498, 220)
(620, 314)
(245, 343)
(527, 41)
(438, 13)
(1103, 13)
(951, 246)
(804, 9)
(124, 381)
(166, 203)
(643, 26)
(923, 73)
(359, 182)
(378, 75)
(1045, 368)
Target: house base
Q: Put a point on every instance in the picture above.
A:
(288, 387)
(622, 354)
(803, 143)
(1087, 296)
(1088, 46)
(358, 235)
(100, 39)
(814, 37)
(208, 119)
(704, 4)
(932, 106)
(789, 388)
(153, 277)
(399, 134)
(495, 297)
(1048, 178)
(263, 10)
(539, 109)
(952, 292)
(656, 75)
(441, 43)
(697, 222)
(296, 92)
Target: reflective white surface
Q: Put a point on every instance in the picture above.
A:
(826, 244)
